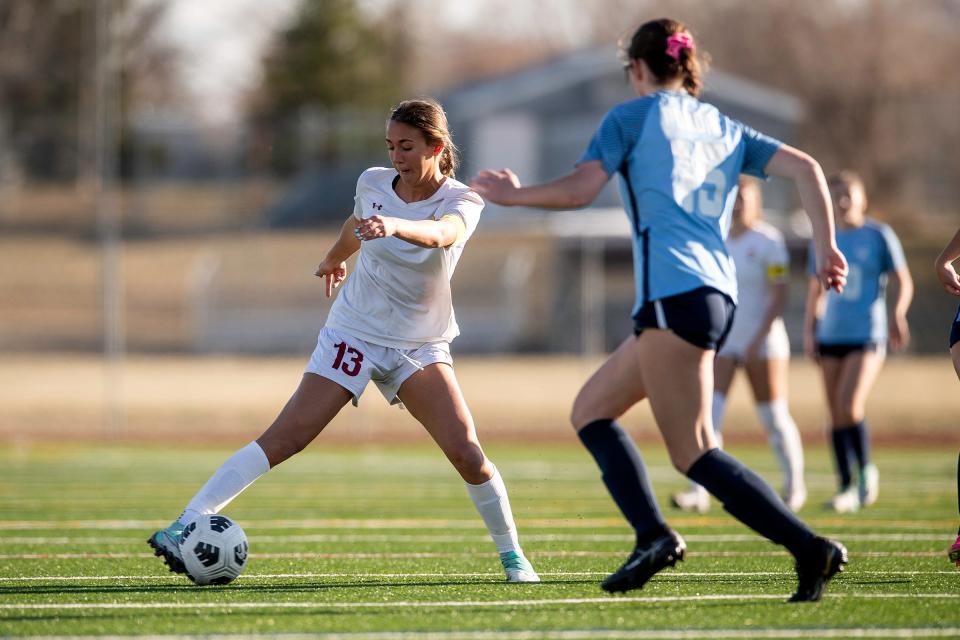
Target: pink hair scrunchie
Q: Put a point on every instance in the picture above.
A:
(678, 42)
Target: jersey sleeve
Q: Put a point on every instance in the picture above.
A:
(895, 259)
(466, 207)
(778, 260)
(617, 135)
(758, 148)
(362, 182)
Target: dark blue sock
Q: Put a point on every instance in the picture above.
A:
(841, 455)
(625, 475)
(750, 500)
(860, 443)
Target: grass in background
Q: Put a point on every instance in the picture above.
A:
(383, 541)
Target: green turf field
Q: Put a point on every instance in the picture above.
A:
(384, 543)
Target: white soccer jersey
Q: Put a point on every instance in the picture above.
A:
(399, 294)
(760, 256)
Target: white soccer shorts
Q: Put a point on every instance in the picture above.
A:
(352, 363)
(776, 346)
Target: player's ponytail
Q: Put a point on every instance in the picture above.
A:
(428, 116)
(669, 51)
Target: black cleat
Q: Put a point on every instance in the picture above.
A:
(813, 573)
(645, 561)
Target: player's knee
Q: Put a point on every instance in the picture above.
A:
(469, 461)
(681, 461)
(847, 414)
(581, 414)
(279, 449)
(683, 457)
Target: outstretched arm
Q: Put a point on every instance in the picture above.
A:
(946, 272)
(334, 266)
(899, 329)
(796, 165)
(813, 311)
(431, 234)
(572, 191)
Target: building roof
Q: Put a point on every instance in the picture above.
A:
(512, 90)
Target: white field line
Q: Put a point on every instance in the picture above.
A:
(480, 538)
(439, 554)
(581, 634)
(428, 604)
(440, 523)
(482, 574)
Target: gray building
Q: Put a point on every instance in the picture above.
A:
(538, 120)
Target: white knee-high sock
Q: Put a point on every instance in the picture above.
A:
(784, 438)
(233, 476)
(492, 503)
(719, 408)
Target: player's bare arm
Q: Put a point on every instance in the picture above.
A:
(430, 234)
(796, 165)
(902, 284)
(572, 191)
(334, 266)
(814, 309)
(943, 265)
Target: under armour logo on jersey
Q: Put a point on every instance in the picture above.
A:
(378, 207)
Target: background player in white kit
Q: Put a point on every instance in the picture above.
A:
(757, 342)
(392, 323)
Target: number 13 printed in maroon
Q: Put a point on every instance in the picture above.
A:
(351, 368)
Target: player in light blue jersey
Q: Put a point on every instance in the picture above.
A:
(848, 333)
(948, 277)
(679, 160)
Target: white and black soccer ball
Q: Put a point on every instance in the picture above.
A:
(214, 549)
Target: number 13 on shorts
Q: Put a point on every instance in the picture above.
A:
(352, 366)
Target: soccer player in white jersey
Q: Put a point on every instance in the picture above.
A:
(757, 342)
(847, 333)
(948, 277)
(391, 324)
(679, 160)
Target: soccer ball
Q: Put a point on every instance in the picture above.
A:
(214, 549)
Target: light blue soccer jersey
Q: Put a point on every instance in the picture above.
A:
(859, 314)
(679, 160)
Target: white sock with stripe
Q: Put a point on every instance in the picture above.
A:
(236, 474)
(493, 505)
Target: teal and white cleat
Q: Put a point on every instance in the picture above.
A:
(166, 544)
(847, 501)
(518, 568)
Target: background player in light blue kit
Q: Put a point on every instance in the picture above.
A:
(848, 333)
(679, 161)
(951, 283)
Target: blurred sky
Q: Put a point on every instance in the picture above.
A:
(221, 43)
